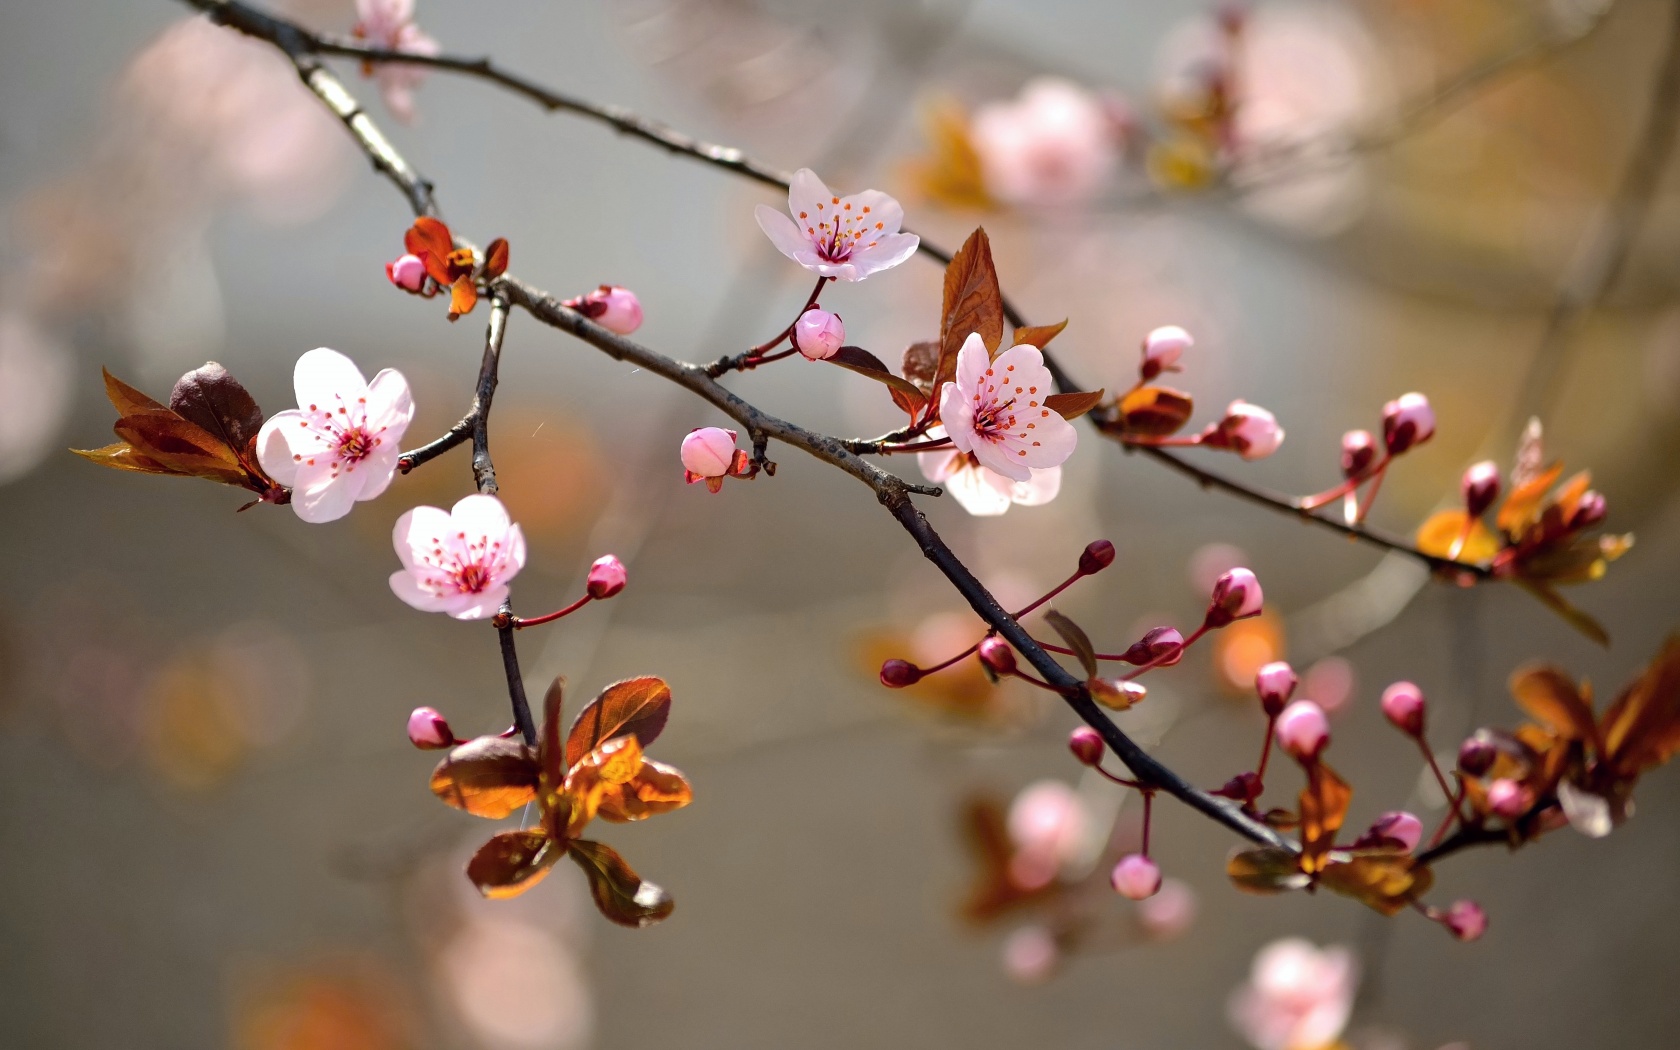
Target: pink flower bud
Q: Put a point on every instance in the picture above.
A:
(407, 273)
(1396, 828)
(1169, 913)
(1480, 487)
(818, 334)
(1302, 730)
(1275, 682)
(606, 577)
(1407, 420)
(996, 654)
(1097, 556)
(708, 452)
(1157, 643)
(1403, 705)
(1030, 955)
(1161, 350)
(1466, 920)
(1509, 799)
(1251, 430)
(1589, 511)
(1136, 877)
(1087, 745)
(1359, 449)
(896, 674)
(614, 308)
(1476, 755)
(1236, 595)
(429, 731)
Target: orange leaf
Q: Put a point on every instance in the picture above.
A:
(973, 303)
(551, 753)
(511, 863)
(121, 456)
(1038, 335)
(1642, 727)
(1556, 602)
(1074, 405)
(181, 447)
(490, 776)
(1324, 805)
(1385, 882)
(620, 894)
(1525, 498)
(1268, 869)
(636, 706)
(463, 296)
(496, 258)
(598, 774)
(1155, 411)
(431, 240)
(655, 788)
(1441, 534)
(1550, 698)
(125, 398)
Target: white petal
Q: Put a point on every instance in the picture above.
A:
(972, 361)
(406, 585)
(418, 533)
(389, 405)
(806, 191)
(940, 463)
(973, 489)
(478, 606)
(1040, 489)
(998, 456)
(480, 515)
(275, 445)
(1588, 813)
(788, 238)
(882, 209)
(376, 472)
(886, 253)
(324, 375)
(1024, 365)
(957, 414)
(514, 560)
(321, 495)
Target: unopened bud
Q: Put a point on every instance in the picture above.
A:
(1161, 350)
(606, 577)
(407, 272)
(1275, 682)
(429, 731)
(614, 308)
(1403, 705)
(1236, 595)
(1396, 828)
(1480, 487)
(1303, 731)
(1160, 643)
(1250, 430)
(1466, 920)
(896, 674)
(818, 334)
(1117, 694)
(1136, 877)
(1589, 511)
(1476, 755)
(708, 452)
(1407, 421)
(996, 654)
(1087, 745)
(1359, 450)
(1097, 556)
(1509, 799)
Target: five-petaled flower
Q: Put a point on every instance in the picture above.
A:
(457, 561)
(389, 24)
(847, 238)
(979, 490)
(340, 444)
(995, 410)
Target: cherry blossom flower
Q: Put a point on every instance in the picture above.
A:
(340, 444)
(995, 410)
(1054, 145)
(1047, 824)
(847, 238)
(983, 492)
(389, 24)
(818, 334)
(1298, 997)
(408, 272)
(457, 561)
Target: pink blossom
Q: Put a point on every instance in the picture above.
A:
(380, 21)
(1136, 877)
(1030, 954)
(708, 452)
(1298, 997)
(460, 561)
(1250, 430)
(1047, 824)
(1407, 420)
(1170, 912)
(1087, 745)
(389, 25)
(428, 730)
(1052, 146)
(1161, 350)
(612, 307)
(1466, 920)
(341, 444)
(606, 577)
(407, 272)
(847, 238)
(996, 654)
(1359, 451)
(982, 492)
(1403, 705)
(1302, 730)
(995, 410)
(818, 334)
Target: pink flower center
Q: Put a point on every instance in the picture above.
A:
(990, 422)
(355, 444)
(838, 230)
(344, 433)
(461, 566)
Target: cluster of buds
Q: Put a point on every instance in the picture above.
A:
(709, 454)
(1407, 422)
(1153, 415)
(433, 263)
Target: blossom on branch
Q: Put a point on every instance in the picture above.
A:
(1298, 997)
(1054, 145)
(846, 238)
(979, 490)
(340, 444)
(389, 24)
(995, 410)
(457, 561)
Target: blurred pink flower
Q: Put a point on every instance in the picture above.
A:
(980, 491)
(389, 24)
(460, 561)
(1030, 954)
(1053, 145)
(847, 238)
(1170, 912)
(1047, 823)
(1298, 997)
(995, 410)
(340, 444)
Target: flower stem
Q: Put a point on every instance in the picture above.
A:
(1266, 748)
(521, 621)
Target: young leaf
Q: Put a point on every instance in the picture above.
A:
(1076, 639)
(635, 705)
(1038, 335)
(1072, 406)
(619, 892)
(1384, 882)
(1324, 805)
(1439, 534)
(489, 776)
(463, 296)
(856, 359)
(551, 753)
(973, 303)
(496, 258)
(1642, 726)
(183, 447)
(1550, 698)
(921, 362)
(511, 863)
(1155, 411)
(122, 456)
(213, 399)
(1267, 869)
(655, 788)
(124, 398)
(431, 240)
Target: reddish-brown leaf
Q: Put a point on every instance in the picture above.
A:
(181, 447)
(1038, 335)
(987, 835)
(1550, 698)
(1268, 869)
(1324, 805)
(1384, 882)
(973, 303)
(496, 258)
(620, 894)
(1077, 640)
(921, 364)
(463, 296)
(551, 751)
(635, 705)
(122, 456)
(1525, 499)
(213, 399)
(125, 398)
(904, 393)
(512, 862)
(1642, 726)
(655, 788)
(431, 240)
(490, 776)
(1155, 411)
(1074, 405)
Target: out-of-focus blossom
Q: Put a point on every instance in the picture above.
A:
(818, 334)
(1211, 561)
(979, 490)
(1250, 430)
(1302, 730)
(1047, 823)
(407, 272)
(847, 238)
(516, 986)
(1030, 954)
(1407, 421)
(1298, 997)
(1403, 705)
(1275, 682)
(389, 24)
(1466, 920)
(1136, 877)
(1330, 683)
(1161, 350)
(1480, 487)
(457, 561)
(340, 444)
(1053, 145)
(1170, 912)
(35, 393)
(995, 410)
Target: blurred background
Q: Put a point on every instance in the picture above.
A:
(215, 833)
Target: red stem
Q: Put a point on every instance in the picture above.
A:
(1266, 748)
(1116, 778)
(532, 621)
(1371, 493)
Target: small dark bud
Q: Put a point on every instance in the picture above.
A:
(996, 655)
(1359, 451)
(1087, 745)
(896, 674)
(1096, 557)
(1476, 755)
(1480, 487)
